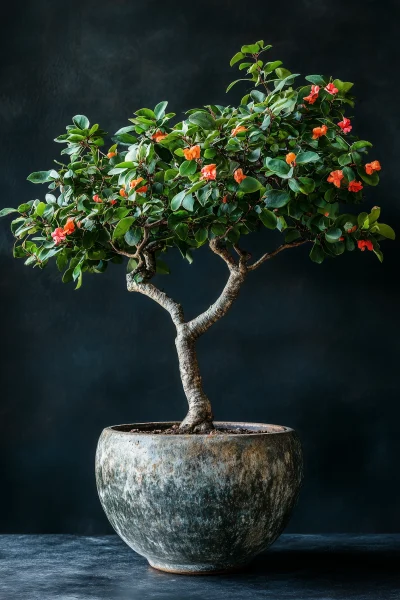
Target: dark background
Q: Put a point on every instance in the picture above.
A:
(313, 347)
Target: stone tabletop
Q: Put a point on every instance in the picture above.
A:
(309, 567)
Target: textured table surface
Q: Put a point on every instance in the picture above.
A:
(323, 567)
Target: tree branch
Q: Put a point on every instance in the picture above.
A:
(269, 255)
(238, 271)
(150, 290)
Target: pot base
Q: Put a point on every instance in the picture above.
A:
(195, 569)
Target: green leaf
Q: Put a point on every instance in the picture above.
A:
(177, 200)
(7, 211)
(344, 159)
(162, 268)
(386, 231)
(280, 167)
(159, 110)
(277, 198)
(67, 277)
(202, 119)
(332, 235)
(249, 185)
(307, 185)
(182, 230)
(374, 214)
(292, 235)
(188, 202)
(132, 264)
(125, 165)
(201, 236)
(370, 179)
(122, 227)
(126, 139)
(238, 56)
(317, 254)
(41, 207)
(305, 157)
(42, 176)
(133, 236)
(361, 144)
(250, 49)
(268, 218)
(187, 168)
(230, 86)
(282, 73)
(146, 112)
(81, 121)
(343, 86)
(62, 260)
(316, 80)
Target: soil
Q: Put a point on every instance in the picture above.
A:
(174, 430)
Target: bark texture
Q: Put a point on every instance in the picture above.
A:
(200, 417)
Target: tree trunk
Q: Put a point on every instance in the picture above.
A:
(199, 417)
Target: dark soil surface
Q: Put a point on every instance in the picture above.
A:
(174, 430)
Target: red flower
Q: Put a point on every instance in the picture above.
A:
(69, 226)
(355, 186)
(239, 175)
(345, 125)
(373, 166)
(96, 198)
(335, 177)
(58, 235)
(311, 98)
(318, 131)
(225, 199)
(209, 172)
(331, 89)
(113, 202)
(362, 244)
(352, 229)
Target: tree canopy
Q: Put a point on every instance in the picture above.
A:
(285, 158)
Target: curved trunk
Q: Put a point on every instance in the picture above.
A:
(199, 417)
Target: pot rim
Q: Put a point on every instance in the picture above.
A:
(274, 429)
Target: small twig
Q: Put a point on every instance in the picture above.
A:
(269, 255)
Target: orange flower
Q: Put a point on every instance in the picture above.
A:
(311, 98)
(112, 202)
(209, 172)
(335, 177)
(158, 136)
(239, 176)
(238, 129)
(192, 152)
(111, 154)
(96, 198)
(318, 131)
(141, 190)
(290, 158)
(355, 186)
(352, 229)
(373, 166)
(225, 199)
(69, 226)
(122, 192)
(331, 89)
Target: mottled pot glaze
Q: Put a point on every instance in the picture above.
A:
(198, 503)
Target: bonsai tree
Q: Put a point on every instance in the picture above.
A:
(285, 159)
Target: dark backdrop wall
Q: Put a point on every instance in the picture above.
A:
(313, 347)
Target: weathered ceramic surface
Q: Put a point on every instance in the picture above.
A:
(198, 503)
